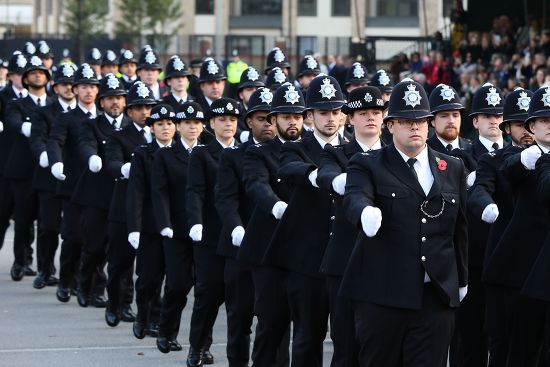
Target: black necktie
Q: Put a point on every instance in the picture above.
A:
(411, 162)
(38, 102)
(449, 147)
(142, 131)
(20, 95)
(68, 109)
(89, 114)
(496, 146)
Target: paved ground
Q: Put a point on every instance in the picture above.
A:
(37, 330)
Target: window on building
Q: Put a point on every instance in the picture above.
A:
(49, 7)
(447, 7)
(38, 8)
(307, 8)
(341, 7)
(204, 6)
(397, 8)
(265, 7)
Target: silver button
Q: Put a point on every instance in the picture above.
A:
(393, 194)
(453, 201)
(330, 234)
(132, 154)
(278, 180)
(424, 220)
(332, 218)
(423, 239)
(423, 258)
(103, 142)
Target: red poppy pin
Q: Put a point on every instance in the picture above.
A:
(441, 164)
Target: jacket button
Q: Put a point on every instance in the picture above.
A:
(423, 239)
(330, 234)
(453, 201)
(332, 218)
(423, 258)
(103, 142)
(393, 194)
(278, 180)
(424, 220)
(132, 154)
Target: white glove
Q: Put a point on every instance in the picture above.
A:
(530, 156)
(339, 183)
(237, 235)
(167, 232)
(470, 179)
(196, 232)
(125, 170)
(57, 171)
(313, 178)
(133, 238)
(95, 163)
(26, 129)
(244, 136)
(462, 292)
(371, 220)
(279, 209)
(43, 160)
(1, 126)
(490, 213)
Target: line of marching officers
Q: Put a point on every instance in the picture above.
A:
(417, 246)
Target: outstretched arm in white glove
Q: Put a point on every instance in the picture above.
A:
(339, 183)
(196, 233)
(133, 238)
(371, 220)
(237, 235)
(279, 209)
(530, 156)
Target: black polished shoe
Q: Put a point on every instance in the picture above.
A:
(194, 358)
(63, 294)
(111, 318)
(175, 346)
(207, 357)
(82, 298)
(163, 344)
(29, 271)
(127, 315)
(51, 281)
(40, 281)
(153, 329)
(99, 301)
(139, 329)
(17, 272)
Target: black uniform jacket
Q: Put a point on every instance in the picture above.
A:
(389, 268)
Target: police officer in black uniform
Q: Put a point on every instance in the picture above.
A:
(127, 64)
(250, 81)
(356, 77)
(176, 76)
(148, 70)
(49, 214)
(365, 107)
(275, 78)
(212, 84)
(93, 58)
(276, 58)
(21, 164)
(109, 63)
(307, 70)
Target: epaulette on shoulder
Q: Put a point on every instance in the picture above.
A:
(234, 147)
(492, 154)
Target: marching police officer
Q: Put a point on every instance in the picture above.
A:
(127, 64)
(250, 82)
(109, 63)
(148, 70)
(356, 77)
(276, 58)
(275, 78)
(93, 58)
(212, 84)
(365, 107)
(407, 273)
(176, 76)
(307, 70)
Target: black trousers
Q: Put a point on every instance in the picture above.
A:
(150, 274)
(396, 337)
(209, 295)
(342, 327)
(120, 267)
(471, 347)
(49, 226)
(6, 207)
(178, 261)
(273, 313)
(239, 306)
(94, 249)
(497, 324)
(25, 212)
(71, 233)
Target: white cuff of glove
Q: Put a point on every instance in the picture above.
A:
(196, 233)
(95, 163)
(312, 177)
(26, 129)
(339, 183)
(530, 156)
(133, 238)
(167, 232)
(471, 179)
(279, 209)
(371, 220)
(43, 160)
(1, 126)
(244, 136)
(125, 170)
(462, 292)
(490, 213)
(237, 235)
(57, 171)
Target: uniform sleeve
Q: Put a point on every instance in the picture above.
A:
(13, 116)
(87, 140)
(460, 239)
(227, 189)
(256, 179)
(513, 169)
(329, 167)
(114, 155)
(136, 192)
(543, 178)
(160, 190)
(359, 188)
(196, 187)
(56, 140)
(481, 194)
(39, 132)
(295, 167)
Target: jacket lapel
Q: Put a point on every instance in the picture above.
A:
(399, 168)
(437, 173)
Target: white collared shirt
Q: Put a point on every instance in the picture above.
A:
(227, 146)
(208, 100)
(129, 79)
(454, 143)
(187, 147)
(148, 136)
(422, 168)
(156, 91)
(180, 99)
(488, 144)
(377, 145)
(118, 120)
(335, 141)
(543, 148)
(93, 111)
(24, 92)
(42, 99)
(162, 145)
(64, 104)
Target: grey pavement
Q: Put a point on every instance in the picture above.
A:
(37, 330)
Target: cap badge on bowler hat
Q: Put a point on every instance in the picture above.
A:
(178, 64)
(229, 106)
(36, 61)
(368, 97)
(110, 55)
(212, 67)
(150, 57)
(112, 81)
(493, 98)
(327, 89)
(190, 109)
(21, 61)
(128, 54)
(358, 71)
(279, 75)
(87, 71)
(291, 95)
(523, 101)
(447, 93)
(311, 62)
(383, 79)
(279, 56)
(142, 91)
(266, 96)
(412, 96)
(96, 55)
(252, 74)
(546, 97)
(163, 110)
(44, 48)
(67, 70)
